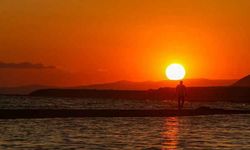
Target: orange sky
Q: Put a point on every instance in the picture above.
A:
(109, 40)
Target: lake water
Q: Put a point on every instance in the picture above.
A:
(199, 132)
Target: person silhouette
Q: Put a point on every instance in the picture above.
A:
(181, 94)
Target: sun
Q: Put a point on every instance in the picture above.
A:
(175, 72)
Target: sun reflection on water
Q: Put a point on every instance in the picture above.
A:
(171, 133)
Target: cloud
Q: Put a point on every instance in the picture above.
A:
(24, 65)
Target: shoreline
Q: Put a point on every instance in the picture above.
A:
(81, 113)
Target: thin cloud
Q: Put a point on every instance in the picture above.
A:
(24, 65)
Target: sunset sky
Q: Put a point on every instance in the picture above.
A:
(91, 41)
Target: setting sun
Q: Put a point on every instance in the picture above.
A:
(175, 72)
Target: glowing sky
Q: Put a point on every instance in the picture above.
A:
(109, 40)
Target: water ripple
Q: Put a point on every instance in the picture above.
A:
(200, 132)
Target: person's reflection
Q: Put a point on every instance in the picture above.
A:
(171, 133)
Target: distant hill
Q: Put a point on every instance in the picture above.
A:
(120, 85)
(202, 94)
(244, 82)
(128, 85)
(22, 90)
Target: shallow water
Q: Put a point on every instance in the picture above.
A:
(22, 102)
(200, 132)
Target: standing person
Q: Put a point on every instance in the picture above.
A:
(181, 94)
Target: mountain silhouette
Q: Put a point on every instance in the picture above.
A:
(244, 82)
(129, 85)
(22, 90)
(120, 85)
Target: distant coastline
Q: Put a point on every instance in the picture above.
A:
(230, 94)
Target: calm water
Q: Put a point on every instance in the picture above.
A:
(7, 102)
(200, 132)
